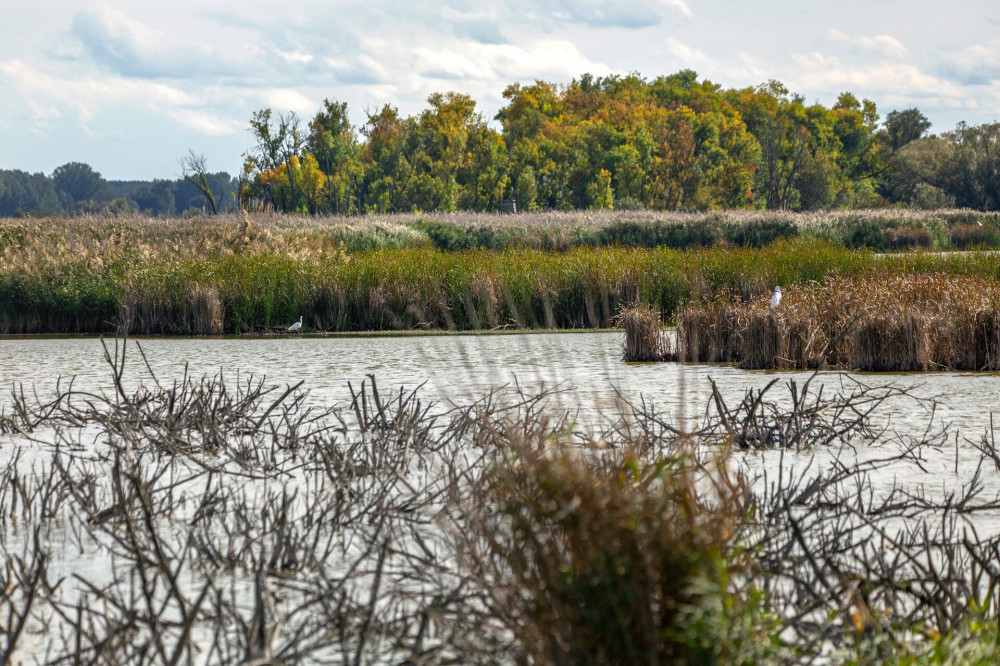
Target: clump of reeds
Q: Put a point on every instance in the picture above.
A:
(646, 339)
(880, 322)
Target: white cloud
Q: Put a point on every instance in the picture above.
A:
(296, 57)
(505, 63)
(207, 124)
(886, 44)
(287, 99)
(89, 94)
(49, 97)
(690, 57)
(976, 64)
(816, 71)
(679, 5)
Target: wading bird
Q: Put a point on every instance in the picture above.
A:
(296, 326)
(775, 297)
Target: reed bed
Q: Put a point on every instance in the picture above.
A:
(884, 322)
(244, 274)
(212, 522)
(879, 230)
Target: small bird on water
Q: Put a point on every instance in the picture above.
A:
(775, 297)
(296, 326)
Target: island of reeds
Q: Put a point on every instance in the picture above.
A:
(877, 322)
(238, 274)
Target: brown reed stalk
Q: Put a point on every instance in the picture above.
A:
(645, 337)
(883, 322)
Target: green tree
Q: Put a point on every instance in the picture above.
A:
(779, 122)
(905, 126)
(387, 171)
(333, 141)
(922, 173)
(975, 181)
(276, 144)
(22, 193)
(78, 180)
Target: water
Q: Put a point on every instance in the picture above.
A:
(460, 368)
(586, 367)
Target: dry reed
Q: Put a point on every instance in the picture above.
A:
(645, 337)
(881, 322)
(237, 523)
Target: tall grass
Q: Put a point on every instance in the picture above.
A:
(879, 230)
(645, 337)
(877, 322)
(243, 274)
(261, 287)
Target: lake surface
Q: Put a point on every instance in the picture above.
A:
(457, 369)
(461, 368)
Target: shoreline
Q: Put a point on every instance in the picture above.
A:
(318, 334)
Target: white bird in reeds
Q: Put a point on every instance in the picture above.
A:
(775, 297)
(296, 326)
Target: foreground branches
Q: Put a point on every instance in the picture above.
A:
(214, 522)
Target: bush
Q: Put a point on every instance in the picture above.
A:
(759, 233)
(608, 560)
(965, 236)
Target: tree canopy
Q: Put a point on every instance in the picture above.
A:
(675, 142)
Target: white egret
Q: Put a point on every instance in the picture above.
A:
(296, 326)
(775, 297)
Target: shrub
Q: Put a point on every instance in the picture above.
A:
(610, 559)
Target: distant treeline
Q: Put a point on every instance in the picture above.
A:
(75, 188)
(673, 143)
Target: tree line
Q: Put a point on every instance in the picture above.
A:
(75, 188)
(675, 142)
(672, 143)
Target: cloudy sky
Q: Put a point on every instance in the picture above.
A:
(130, 86)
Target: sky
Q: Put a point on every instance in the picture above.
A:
(131, 86)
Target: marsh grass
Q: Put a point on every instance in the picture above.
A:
(645, 337)
(155, 276)
(882, 322)
(623, 555)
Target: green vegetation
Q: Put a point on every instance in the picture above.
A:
(239, 274)
(76, 189)
(673, 143)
